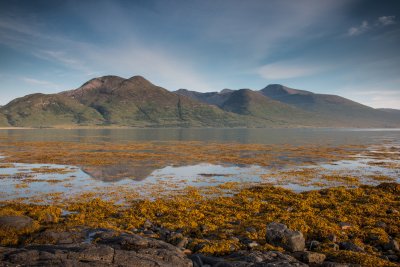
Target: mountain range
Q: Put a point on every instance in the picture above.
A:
(136, 102)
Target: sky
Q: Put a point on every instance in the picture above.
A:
(345, 47)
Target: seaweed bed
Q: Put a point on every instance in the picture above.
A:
(367, 217)
(358, 225)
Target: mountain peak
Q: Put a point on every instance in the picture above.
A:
(226, 91)
(276, 90)
(139, 80)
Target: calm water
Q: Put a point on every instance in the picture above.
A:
(259, 136)
(176, 177)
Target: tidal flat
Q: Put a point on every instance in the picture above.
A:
(208, 192)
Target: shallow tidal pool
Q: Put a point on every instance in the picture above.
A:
(49, 165)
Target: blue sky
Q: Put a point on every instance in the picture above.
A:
(344, 47)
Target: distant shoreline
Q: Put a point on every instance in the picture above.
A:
(133, 127)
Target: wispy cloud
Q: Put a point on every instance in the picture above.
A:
(43, 83)
(357, 30)
(387, 20)
(286, 70)
(366, 26)
(374, 96)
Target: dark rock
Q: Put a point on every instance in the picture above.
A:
(392, 257)
(121, 250)
(147, 224)
(381, 225)
(262, 258)
(23, 256)
(392, 245)
(148, 232)
(393, 188)
(101, 234)
(279, 235)
(204, 228)
(350, 246)
(16, 223)
(334, 264)
(197, 261)
(314, 245)
(205, 260)
(93, 253)
(245, 240)
(58, 237)
(332, 238)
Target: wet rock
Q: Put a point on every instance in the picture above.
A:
(58, 237)
(262, 258)
(245, 240)
(147, 225)
(334, 264)
(247, 259)
(279, 235)
(310, 257)
(381, 225)
(202, 260)
(350, 246)
(23, 256)
(392, 245)
(332, 238)
(148, 232)
(16, 223)
(314, 245)
(92, 253)
(121, 250)
(392, 257)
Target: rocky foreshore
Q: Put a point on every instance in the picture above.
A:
(262, 226)
(106, 247)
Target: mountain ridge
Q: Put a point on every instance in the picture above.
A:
(136, 102)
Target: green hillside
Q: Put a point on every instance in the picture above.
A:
(137, 102)
(3, 120)
(251, 103)
(335, 110)
(40, 110)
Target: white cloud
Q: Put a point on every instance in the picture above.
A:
(130, 57)
(357, 30)
(286, 70)
(366, 26)
(387, 20)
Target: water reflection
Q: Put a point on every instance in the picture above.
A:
(260, 136)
